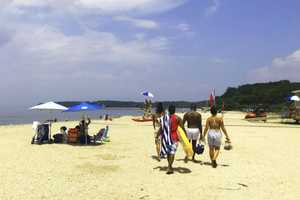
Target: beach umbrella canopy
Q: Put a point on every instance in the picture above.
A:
(147, 94)
(294, 98)
(85, 107)
(49, 106)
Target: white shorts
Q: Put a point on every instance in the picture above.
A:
(193, 133)
(214, 138)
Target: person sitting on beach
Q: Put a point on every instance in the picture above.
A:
(194, 124)
(169, 125)
(214, 125)
(63, 131)
(156, 123)
(61, 137)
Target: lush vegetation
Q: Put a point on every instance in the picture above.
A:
(272, 95)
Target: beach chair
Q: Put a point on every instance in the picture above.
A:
(41, 133)
(106, 136)
(99, 136)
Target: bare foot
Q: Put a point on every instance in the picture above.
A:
(214, 164)
(170, 171)
(186, 159)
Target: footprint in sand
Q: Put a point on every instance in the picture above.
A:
(98, 169)
(108, 156)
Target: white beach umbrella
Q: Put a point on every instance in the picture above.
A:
(49, 106)
(295, 98)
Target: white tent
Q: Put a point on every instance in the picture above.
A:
(49, 106)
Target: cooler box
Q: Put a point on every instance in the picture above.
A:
(73, 135)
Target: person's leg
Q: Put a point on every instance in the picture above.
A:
(216, 154)
(217, 145)
(194, 143)
(170, 163)
(157, 143)
(211, 152)
(212, 157)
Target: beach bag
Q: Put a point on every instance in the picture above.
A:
(199, 149)
(228, 146)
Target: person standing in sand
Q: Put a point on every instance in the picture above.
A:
(156, 123)
(213, 127)
(170, 138)
(194, 124)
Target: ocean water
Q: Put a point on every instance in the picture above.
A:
(22, 115)
(25, 116)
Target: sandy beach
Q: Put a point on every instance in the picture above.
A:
(264, 164)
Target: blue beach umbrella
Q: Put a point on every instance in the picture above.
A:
(147, 94)
(85, 107)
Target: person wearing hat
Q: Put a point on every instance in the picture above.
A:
(213, 127)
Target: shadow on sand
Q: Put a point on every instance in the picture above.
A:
(155, 158)
(85, 145)
(190, 161)
(209, 163)
(181, 170)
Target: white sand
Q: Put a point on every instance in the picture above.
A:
(264, 164)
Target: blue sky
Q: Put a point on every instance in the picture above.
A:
(178, 49)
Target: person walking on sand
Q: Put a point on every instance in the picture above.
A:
(169, 125)
(194, 124)
(213, 127)
(156, 125)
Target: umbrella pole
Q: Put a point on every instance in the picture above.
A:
(86, 129)
(50, 132)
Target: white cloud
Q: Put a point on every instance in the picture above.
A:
(184, 27)
(110, 7)
(43, 57)
(140, 23)
(217, 60)
(213, 8)
(281, 68)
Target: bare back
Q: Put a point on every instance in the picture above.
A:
(215, 122)
(193, 119)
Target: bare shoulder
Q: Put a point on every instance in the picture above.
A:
(208, 119)
(178, 118)
(199, 114)
(185, 115)
(220, 119)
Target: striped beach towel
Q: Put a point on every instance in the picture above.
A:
(166, 141)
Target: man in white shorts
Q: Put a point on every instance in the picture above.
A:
(194, 124)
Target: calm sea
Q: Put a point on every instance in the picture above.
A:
(21, 115)
(25, 116)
